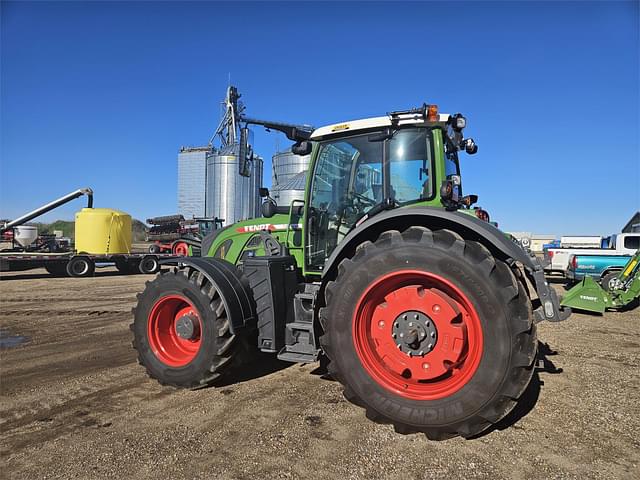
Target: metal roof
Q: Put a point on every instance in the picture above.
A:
(297, 182)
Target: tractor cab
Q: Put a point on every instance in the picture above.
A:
(364, 167)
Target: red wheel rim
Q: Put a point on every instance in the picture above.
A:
(165, 342)
(181, 249)
(432, 366)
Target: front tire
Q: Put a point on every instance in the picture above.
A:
(429, 332)
(181, 330)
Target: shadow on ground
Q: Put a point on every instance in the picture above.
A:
(263, 365)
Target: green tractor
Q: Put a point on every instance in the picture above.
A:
(421, 308)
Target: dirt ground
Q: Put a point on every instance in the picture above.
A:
(75, 404)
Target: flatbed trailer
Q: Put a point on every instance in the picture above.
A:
(80, 264)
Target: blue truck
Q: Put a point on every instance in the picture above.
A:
(602, 268)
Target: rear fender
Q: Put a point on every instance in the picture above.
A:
(231, 285)
(469, 228)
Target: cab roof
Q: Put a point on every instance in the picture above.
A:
(375, 123)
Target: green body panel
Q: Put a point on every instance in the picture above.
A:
(589, 296)
(291, 232)
(241, 233)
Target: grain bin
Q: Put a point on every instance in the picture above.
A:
(229, 195)
(292, 190)
(286, 165)
(102, 231)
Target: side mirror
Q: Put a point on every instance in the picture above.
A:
(245, 154)
(263, 192)
(268, 208)
(470, 146)
(302, 148)
(469, 200)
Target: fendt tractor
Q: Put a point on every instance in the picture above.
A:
(424, 312)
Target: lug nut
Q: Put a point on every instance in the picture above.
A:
(404, 317)
(415, 316)
(433, 334)
(411, 324)
(430, 345)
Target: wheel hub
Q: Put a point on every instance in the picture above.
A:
(187, 327)
(414, 333)
(174, 330)
(417, 334)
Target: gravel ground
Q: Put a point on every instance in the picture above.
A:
(75, 404)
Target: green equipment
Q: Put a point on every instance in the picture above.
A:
(422, 309)
(622, 291)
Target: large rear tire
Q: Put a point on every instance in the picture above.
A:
(181, 330)
(429, 332)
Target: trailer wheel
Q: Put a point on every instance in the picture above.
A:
(429, 332)
(149, 264)
(181, 330)
(154, 248)
(56, 269)
(80, 266)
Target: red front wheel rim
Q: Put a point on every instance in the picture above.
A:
(174, 330)
(417, 335)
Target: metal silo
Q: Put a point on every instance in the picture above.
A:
(287, 165)
(229, 195)
(292, 190)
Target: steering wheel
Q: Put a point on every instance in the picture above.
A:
(366, 200)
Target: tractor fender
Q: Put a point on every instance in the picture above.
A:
(208, 240)
(232, 287)
(467, 226)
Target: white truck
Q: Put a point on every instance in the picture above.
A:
(581, 242)
(556, 260)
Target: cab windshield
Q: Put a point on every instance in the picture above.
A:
(355, 174)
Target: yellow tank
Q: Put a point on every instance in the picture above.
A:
(102, 230)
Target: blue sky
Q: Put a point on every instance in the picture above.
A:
(104, 94)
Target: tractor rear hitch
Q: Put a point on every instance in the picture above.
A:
(549, 308)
